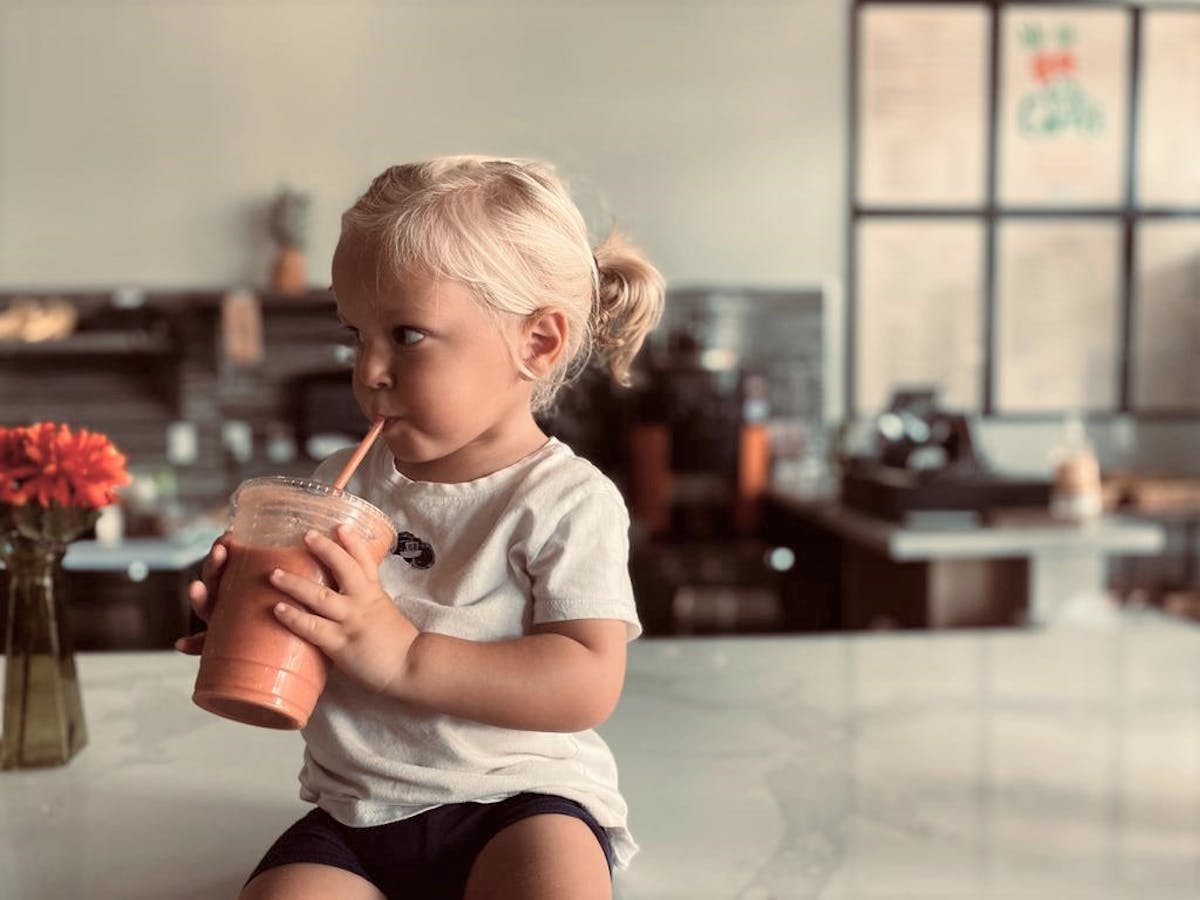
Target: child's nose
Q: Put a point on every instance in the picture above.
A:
(375, 370)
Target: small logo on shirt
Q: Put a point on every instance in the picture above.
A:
(414, 551)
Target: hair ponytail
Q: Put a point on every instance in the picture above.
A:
(629, 303)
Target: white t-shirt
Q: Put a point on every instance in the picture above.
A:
(543, 540)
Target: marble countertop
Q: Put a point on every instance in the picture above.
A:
(1054, 763)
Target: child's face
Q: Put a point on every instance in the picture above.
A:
(435, 364)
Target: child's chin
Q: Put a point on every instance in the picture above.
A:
(410, 448)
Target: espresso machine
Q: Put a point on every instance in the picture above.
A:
(923, 463)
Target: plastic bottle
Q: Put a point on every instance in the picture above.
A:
(1077, 494)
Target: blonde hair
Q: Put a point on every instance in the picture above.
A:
(509, 230)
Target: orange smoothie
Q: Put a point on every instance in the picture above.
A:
(253, 669)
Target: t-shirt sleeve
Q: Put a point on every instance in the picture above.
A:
(581, 570)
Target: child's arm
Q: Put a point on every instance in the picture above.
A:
(566, 676)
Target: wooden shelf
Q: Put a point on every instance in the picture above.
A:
(98, 343)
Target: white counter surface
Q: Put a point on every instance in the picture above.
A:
(1041, 764)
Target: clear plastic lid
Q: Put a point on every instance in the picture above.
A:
(276, 510)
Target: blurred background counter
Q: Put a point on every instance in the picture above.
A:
(874, 573)
(758, 504)
(129, 595)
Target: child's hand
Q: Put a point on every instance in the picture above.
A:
(203, 593)
(356, 625)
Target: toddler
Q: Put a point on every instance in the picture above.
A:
(452, 753)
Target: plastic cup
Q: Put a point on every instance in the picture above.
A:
(252, 669)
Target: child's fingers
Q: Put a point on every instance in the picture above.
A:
(321, 632)
(320, 598)
(202, 593)
(346, 571)
(215, 561)
(359, 550)
(191, 644)
(201, 599)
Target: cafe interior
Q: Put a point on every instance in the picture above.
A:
(912, 460)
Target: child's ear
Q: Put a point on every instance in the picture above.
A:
(543, 340)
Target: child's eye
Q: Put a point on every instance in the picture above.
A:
(407, 336)
(350, 335)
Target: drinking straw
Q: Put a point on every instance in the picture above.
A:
(359, 452)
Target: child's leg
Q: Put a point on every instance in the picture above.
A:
(309, 881)
(542, 857)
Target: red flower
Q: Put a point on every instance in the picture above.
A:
(49, 464)
(15, 464)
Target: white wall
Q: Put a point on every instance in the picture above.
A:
(140, 141)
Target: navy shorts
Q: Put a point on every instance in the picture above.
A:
(429, 855)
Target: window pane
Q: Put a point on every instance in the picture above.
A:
(1166, 328)
(1063, 106)
(1169, 109)
(1057, 315)
(922, 106)
(918, 315)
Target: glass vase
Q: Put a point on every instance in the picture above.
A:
(43, 710)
